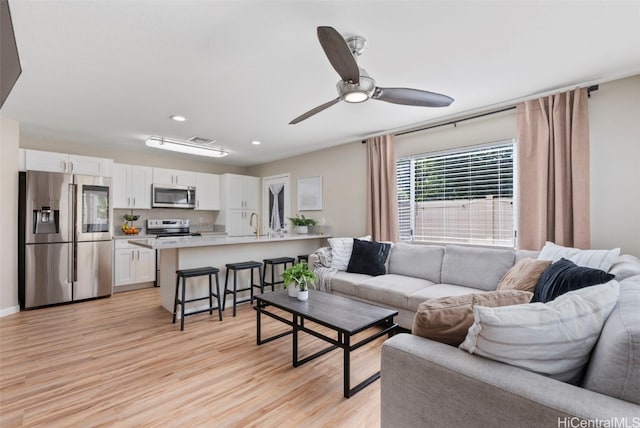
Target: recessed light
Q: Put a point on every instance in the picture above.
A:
(178, 118)
(256, 143)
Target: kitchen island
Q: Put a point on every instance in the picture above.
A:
(186, 252)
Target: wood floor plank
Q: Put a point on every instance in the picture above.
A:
(121, 362)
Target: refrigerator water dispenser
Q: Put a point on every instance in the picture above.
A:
(46, 220)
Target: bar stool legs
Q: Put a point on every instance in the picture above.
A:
(180, 293)
(235, 267)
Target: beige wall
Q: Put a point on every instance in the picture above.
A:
(9, 137)
(142, 157)
(343, 170)
(614, 121)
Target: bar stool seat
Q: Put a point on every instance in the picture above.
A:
(193, 273)
(239, 266)
(303, 258)
(273, 263)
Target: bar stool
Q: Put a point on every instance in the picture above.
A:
(303, 258)
(235, 267)
(273, 263)
(192, 273)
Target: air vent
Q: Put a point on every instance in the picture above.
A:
(200, 140)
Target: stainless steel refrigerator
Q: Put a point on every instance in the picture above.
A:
(65, 251)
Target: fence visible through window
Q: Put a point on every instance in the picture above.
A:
(461, 196)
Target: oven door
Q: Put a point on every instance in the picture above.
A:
(166, 196)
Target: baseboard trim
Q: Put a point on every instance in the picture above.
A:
(8, 311)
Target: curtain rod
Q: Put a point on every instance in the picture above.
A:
(590, 89)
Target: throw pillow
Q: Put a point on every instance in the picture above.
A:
(563, 276)
(368, 257)
(447, 319)
(625, 266)
(524, 275)
(341, 251)
(554, 339)
(596, 259)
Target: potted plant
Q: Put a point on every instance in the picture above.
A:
(302, 223)
(297, 279)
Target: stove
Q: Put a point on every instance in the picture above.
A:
(169, 228)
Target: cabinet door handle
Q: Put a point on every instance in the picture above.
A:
(129, 201)
(64, 166)
(138, 254)
(133, 255)
(70, 166)
(134, 201)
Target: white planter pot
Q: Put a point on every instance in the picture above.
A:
(302, 230)
(292, 290)
(303, 295)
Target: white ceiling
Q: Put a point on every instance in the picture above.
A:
(112, 72)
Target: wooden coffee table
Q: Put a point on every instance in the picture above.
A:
(345, 316)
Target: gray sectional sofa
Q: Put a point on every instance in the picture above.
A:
(416, 273)
(430, 384)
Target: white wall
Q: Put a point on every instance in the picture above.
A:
(614, 122)
(9, 137)
(343, 170)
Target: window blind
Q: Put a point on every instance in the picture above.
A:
(463, 196)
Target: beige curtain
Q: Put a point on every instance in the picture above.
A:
(553, 171)
(382, 201)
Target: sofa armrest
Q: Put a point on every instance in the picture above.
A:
(430, 384)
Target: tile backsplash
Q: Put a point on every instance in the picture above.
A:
(201, 221)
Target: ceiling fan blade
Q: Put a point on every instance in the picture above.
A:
(339, 54)
(314, 111)
(412, 97)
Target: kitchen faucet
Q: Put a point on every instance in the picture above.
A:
(257, 231)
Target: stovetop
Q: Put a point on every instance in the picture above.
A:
(169, 228)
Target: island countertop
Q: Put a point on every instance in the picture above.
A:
(215, 240)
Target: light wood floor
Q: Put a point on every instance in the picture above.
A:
(121, 362)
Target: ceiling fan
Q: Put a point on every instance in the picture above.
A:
(356, 85)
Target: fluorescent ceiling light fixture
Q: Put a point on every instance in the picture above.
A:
(185, 147)
(178, 118)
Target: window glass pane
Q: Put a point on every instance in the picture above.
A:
(462, 196)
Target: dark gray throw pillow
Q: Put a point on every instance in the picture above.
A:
(564, 276)
(368, 257)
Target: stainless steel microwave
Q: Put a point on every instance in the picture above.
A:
(172, 196)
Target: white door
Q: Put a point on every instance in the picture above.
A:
(87, 165)
(36, 160)
(140, 186)
(207, 191)
(124, 267)
(237, 223)
(145, 265)
(121, 197)
(276, 205)
(252, 193)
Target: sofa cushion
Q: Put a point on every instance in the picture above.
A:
(614, 369)
(524, 275)
(419, 261)
(447, 319)
(625, 266)
(368, 257)
(345, 282)
(524, 254)
(390, 289)
(475, 267)
(596, 259)
(554, 339)
(341, 249)
(563, 276)
(438, 291)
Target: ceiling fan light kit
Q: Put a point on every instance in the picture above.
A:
(356, 85)
(185, 147)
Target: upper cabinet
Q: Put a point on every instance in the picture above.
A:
(174, 176)
(36, 160)
(207, 191)
(240, 192)
(132, 186)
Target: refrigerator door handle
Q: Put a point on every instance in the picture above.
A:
(73, 201)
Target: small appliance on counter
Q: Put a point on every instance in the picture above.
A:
(169, 228)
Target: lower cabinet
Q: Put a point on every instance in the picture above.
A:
(133, 264)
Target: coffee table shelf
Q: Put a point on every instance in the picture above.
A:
(347, 317)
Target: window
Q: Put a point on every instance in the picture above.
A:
(461, 196)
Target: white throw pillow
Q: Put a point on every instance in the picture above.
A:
(595, 259)
(341, 249)
(554, 339)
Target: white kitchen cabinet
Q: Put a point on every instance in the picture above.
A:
(37, 160)
(133, 264)
(174, 176)
(207, 191)
(240, 197)
(132, 186)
